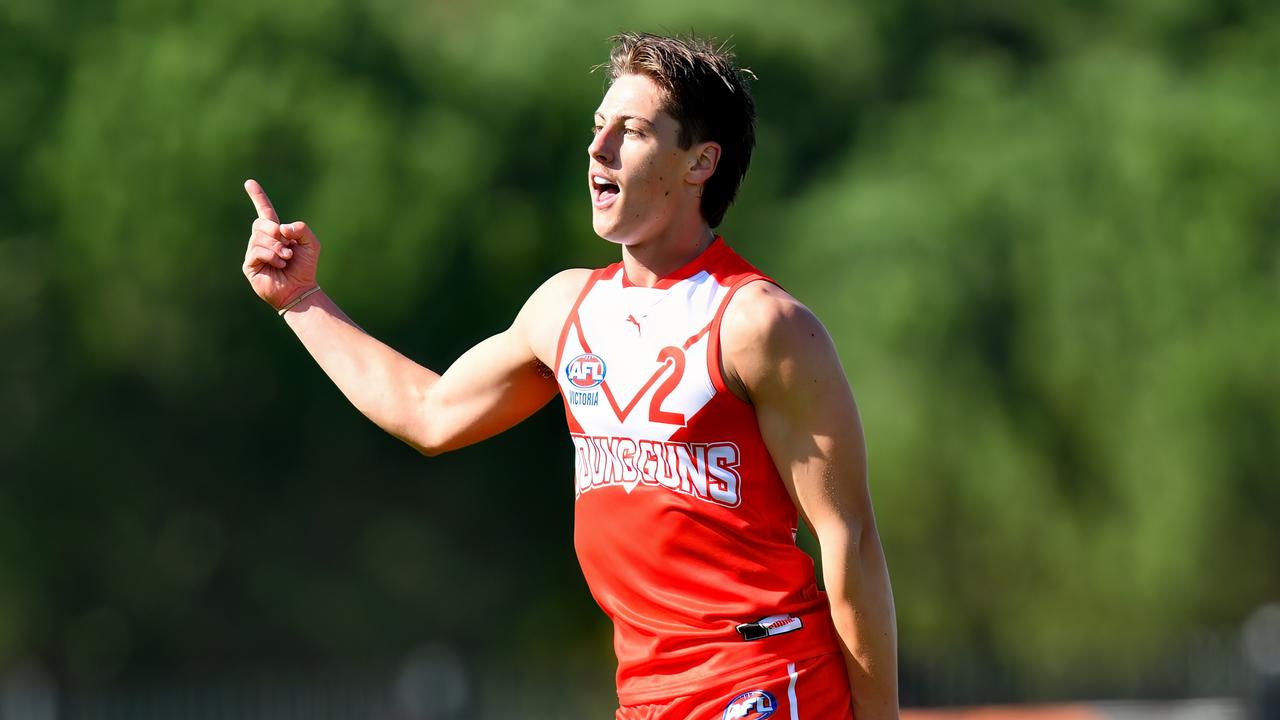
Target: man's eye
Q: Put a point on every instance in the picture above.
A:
(632, 131)
(595, 129)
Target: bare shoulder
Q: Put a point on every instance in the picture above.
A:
(767, 337)
(561, 288)
(544, 313)
(764, 318)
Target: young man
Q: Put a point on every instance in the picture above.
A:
(705, 404)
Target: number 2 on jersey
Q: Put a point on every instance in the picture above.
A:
(675, 356)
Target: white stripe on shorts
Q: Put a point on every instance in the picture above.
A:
(791, 691)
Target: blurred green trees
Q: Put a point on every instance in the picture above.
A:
(1046, 239)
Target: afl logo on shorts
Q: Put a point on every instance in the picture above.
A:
(752, 705)
(585, 371)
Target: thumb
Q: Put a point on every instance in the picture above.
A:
(298, 232)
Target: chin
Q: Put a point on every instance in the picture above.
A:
(609, 231)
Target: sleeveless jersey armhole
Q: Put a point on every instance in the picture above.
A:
(715, 366)
(572, 317)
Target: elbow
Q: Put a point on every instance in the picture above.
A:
(427, 444)
(435, 448)
(427, 451)
(844, 536)
(423, 439)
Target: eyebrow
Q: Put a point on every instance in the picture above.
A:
(624, 118)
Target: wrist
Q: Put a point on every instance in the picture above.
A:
(297, 299)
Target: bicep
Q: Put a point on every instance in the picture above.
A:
(815, 438)
(504, 379)
(487, 390)
(808, 419)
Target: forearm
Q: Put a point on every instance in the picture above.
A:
(862, 608)
(385, 386)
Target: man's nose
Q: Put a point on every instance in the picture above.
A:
(600, 149)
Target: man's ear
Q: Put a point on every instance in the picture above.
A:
(704, 157)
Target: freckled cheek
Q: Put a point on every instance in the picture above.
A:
(646, 183)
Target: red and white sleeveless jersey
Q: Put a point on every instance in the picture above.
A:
(684, 530)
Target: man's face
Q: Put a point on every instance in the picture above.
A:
(637, 170)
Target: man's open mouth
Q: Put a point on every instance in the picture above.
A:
(604, 189)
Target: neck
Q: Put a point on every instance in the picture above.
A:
(648, 262)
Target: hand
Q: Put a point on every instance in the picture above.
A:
(280, 261)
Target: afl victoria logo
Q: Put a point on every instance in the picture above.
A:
(585, 371)
(753, 705)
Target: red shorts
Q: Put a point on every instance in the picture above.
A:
(813, 689)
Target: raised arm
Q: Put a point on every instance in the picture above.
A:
(491, 387)
(778, 355)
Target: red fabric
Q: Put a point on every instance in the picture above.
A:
(820, 692)
(676, 571)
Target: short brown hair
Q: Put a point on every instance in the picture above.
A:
(706, 92)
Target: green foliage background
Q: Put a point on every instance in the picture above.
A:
(1044, 236)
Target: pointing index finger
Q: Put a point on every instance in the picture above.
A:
(260, 201)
